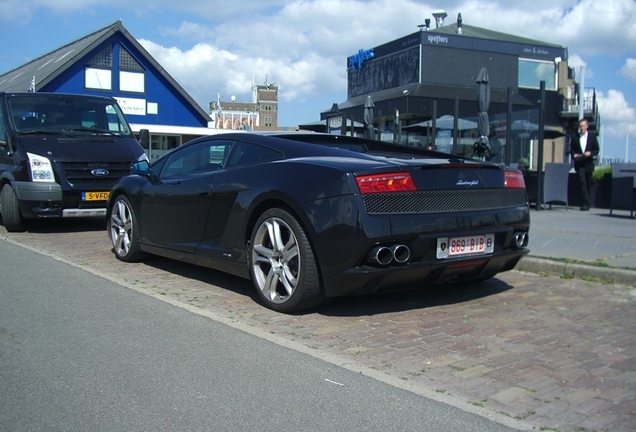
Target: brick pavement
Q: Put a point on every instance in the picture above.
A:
(532, 351)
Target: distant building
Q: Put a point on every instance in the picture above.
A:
(259, 115)
(431, 75)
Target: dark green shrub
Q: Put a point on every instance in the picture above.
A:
(599, 173)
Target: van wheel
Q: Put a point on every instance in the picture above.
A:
(11, 217)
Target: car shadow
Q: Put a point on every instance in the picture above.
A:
(424, 298)
(427, 297)
(226, 281)
(64, 225)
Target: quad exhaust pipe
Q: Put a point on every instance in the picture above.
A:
(521, 239)
(385, 255)
(401, 253)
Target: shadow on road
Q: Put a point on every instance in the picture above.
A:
(202, 274)
(428, 297)
(64, 225)
(423, 298)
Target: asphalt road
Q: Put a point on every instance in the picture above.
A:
(78, 352)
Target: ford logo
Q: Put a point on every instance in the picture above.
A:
(100, 172)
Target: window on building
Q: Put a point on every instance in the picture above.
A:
(162, 144)
(98, 72)
(131, 73)
(532, 72)
(103, 59)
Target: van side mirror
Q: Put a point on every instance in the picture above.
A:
(144, 138)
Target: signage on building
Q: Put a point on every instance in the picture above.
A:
(462, 42)
(334, 125)
(357, 60)
(132, 106)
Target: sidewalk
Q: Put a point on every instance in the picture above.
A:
(582, 243)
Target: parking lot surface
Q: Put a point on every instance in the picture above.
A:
(530, 349)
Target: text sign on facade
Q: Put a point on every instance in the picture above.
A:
(131, 106)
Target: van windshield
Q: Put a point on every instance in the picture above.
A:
(68, 114)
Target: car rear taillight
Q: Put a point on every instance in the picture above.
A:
(391, 182)
(513, 179)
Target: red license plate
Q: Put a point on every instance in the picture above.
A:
(449, 247)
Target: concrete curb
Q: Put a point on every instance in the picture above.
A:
(553, 267)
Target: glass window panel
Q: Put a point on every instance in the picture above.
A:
(531, 73)
(98, 79)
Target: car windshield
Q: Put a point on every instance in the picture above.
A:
(68, 114)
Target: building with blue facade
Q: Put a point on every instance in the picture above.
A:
(110, 62)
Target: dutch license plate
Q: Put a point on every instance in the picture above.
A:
(95, 196)
(471, 245)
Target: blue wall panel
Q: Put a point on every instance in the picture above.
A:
(173, 109)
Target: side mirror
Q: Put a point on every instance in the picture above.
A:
(141, 168)
(144, 138)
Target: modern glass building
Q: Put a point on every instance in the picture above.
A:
(420, 83)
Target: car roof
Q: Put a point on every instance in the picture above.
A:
(302, 142)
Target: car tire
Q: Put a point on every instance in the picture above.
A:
(123, 229)
(11, 217)
(282, 263)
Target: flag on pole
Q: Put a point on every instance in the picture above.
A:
(32, 86)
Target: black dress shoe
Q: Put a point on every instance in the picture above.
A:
(585, 208)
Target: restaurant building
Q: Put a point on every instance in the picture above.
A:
(423, 90)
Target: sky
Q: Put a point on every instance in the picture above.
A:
(211, 46)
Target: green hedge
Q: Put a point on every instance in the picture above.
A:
(599, 173)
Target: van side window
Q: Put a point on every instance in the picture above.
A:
(3, 130)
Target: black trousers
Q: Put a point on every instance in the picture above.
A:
(585, 179)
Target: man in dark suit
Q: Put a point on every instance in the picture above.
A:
(584, 148)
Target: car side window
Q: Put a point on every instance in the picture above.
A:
(196, 160)
(247, 153)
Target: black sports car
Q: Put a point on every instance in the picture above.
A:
(312, 216)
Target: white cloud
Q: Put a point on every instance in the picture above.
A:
(618, 117)
(203, 70)
(302, 45)
(576, 63)
(629, 69)
(585, 26)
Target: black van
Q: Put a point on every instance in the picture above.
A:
(60, 154)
